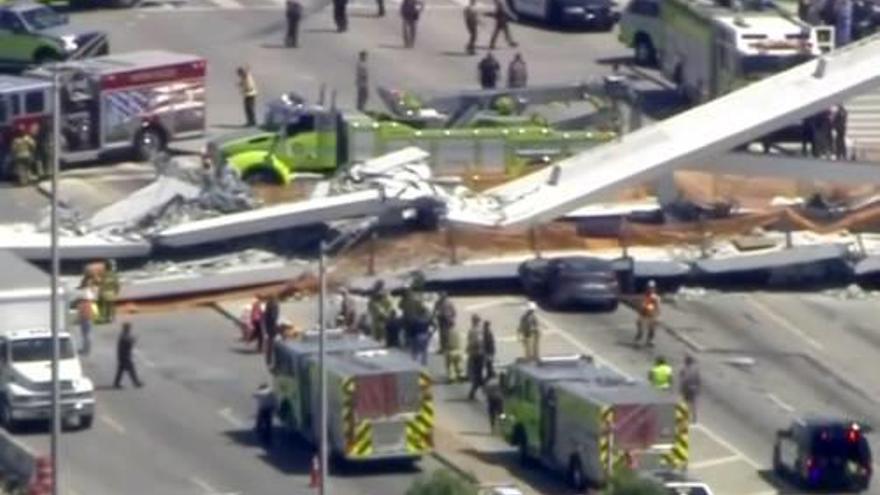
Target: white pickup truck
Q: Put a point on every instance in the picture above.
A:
(26, 379)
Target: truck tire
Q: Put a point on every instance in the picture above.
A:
(46, 56)
(6, 416)
(262, 176)
(148, 143)
(85, 421)
(522, 442)
(576, 477)
(644, 52)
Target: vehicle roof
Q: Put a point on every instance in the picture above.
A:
(124, 62)
(612, 391)
(336, 341)
(18, 274)
(372, 362)
(21, 6)
(709, 8)
(20, 83)
(32, 333)
(556, 368)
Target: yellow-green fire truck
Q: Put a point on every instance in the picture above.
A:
(582, 420)
(461, 133)
(379, 401)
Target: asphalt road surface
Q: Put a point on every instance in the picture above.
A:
(189, 430)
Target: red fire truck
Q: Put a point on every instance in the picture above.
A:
(134, 102)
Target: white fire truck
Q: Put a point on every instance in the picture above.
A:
(134, 102)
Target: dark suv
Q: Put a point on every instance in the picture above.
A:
(571, 281)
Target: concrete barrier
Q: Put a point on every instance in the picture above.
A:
(18, 463)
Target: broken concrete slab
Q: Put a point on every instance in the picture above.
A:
(171, 280)
(132, 210)
(25, 241)
(278, 217)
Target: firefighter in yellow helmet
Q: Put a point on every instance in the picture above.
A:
(649, 309)
(24, 153)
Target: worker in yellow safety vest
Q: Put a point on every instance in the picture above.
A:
(248, 88)
(649, 309)
(660, 375)
(24, 150)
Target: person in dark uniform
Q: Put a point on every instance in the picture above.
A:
(125, 357)
(380, 4)
(271, 314)
(410, 10)
(340, 15)
(822, 135)
(838, 124)
(471, 23)
(502, 24)
(488, 70)
(393, 330)
(362, 81)
(294, 16)
(489, 349)
(266, 405)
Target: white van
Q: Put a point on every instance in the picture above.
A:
(26, 379)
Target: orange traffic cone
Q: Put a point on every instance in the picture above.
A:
(315, 473)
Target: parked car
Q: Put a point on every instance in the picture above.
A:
(32, 34)
(571, 281)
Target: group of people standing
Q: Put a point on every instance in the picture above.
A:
(99, 288)
(488, 70)
(264, 322)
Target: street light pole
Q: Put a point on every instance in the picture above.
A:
(53, 312)
(322, 375)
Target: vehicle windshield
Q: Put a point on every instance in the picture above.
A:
(30, 350)
(837, 444)
(43, 18)
(759, 66)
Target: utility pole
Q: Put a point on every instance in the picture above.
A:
(53, 312)
(322, 375)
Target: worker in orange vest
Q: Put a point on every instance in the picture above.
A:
(649, 309)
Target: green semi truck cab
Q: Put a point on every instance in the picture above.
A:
(32, 34)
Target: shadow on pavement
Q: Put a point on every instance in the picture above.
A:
(781, 487)
(536, 477)
(287, 453)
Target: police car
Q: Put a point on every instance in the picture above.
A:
(824, 453)
(597, 14)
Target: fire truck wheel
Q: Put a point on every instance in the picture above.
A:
(44, 56)
(148, 143)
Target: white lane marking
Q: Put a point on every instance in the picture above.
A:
(112, 423)
(144, 359)
(489, 304)
(209, 490)
(230, 417)
(714, 462)
(785, 324)
(779, 402)
(727, 445)
(584, 348)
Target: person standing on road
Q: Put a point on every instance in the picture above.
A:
(489, 349)
(125, 357)
(517, 72)
(529, 332)
(108, 292)
(23, 156)
(690, 385)
(86, 311)
(248, 89)
(472, 24)
(257, 322)
(494, 402)
(393, 329)
(410, 11)
(502, 24)
(293, 14)
(347, 311)
(838, 125)
(444, 315)
(362, 81)
(271, 317)
(453, 356)
(661, 374)
(340, 15)
(649, 309)
(380, 5)
(380, 309)
(266, 405)
(488, 69)
(476, 356)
